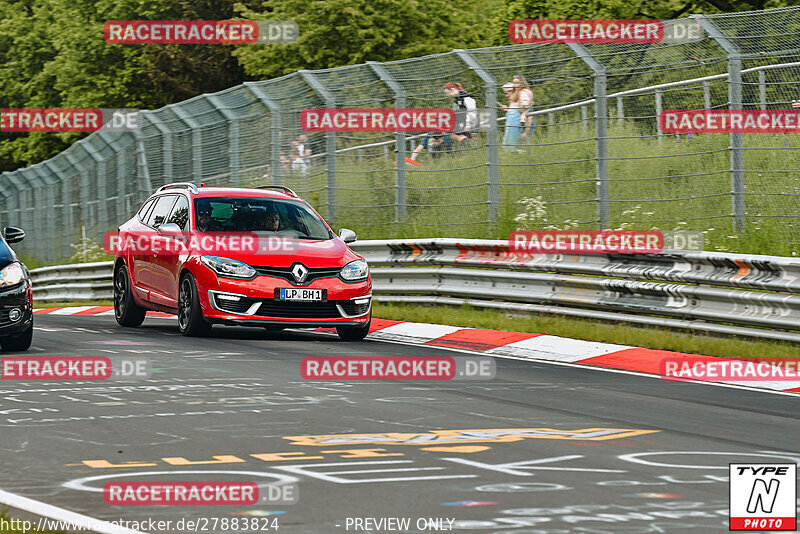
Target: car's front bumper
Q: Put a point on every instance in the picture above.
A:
(252, 302)
(16, 298)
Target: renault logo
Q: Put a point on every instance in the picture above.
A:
(299, 271)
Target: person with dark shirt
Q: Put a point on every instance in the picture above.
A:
(466, 110)
(436, 143)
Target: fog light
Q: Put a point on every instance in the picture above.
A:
(359, 302)
(234, 298)
(14, 315)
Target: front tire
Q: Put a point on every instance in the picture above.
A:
(353, 333)
(18, 342)
(190, 316)
(126, 311)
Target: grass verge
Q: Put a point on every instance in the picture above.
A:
(608, 332)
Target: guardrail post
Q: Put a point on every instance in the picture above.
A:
(197, 141)
(585, 117)
(601, 130)
(707, 95)
(330, 140)
(762, 89)
(399, 140)
(13, 217)
(734, 102)
(233, 137)
(492, 148)
(276, 166)
(620, 110)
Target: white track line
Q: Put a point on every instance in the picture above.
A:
(60, 514)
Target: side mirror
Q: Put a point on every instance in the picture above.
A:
(348, 236)
(170, 229)
(13, 235)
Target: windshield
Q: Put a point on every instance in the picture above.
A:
(289, 218)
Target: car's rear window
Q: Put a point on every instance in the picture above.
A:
(289, 218)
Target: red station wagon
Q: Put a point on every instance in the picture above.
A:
(237, 256)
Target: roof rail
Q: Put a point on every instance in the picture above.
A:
(187, 185)
(280, 188)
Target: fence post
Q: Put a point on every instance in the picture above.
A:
(276, 166)
(330, 140)
(84, 190)
(620, 110)
(399, 140)
(166, 146)
(66, 207)
(197, 141)
(47, 222)
(707, 95)
(492, 148)
(585, 116)
(145, 188)
(734, 102)
(601, 130)
(233, 137)
(762, 88)
(100, 172)
(659, 107)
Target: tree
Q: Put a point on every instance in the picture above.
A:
(334, 33)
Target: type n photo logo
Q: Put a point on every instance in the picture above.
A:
(763, 497)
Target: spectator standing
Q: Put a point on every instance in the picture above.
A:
(526, 105)
(466, 110)
(513, 117)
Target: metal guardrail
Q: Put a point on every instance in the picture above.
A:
(756, 296)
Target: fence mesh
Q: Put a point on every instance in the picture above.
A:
(593, 156)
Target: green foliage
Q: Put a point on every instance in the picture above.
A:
(52, 54)
(346, 32)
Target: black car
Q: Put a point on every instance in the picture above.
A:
(16, 295)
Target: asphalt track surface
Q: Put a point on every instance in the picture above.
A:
(233, 399)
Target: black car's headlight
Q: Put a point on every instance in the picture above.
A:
(228, 267)
(354, 271)
(12, 275)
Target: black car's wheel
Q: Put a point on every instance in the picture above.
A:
(18, 342)
(190, 317)
(353, 333)
(126, 311)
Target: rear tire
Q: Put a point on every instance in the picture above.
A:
(190, 316)
(18, 342)
(126, 311)
(353, 333)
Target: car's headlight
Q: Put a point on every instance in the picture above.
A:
(12, 275)
(355, 270)
(228, 267)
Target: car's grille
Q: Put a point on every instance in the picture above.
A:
(351, 308)
(286, 273)
(302, 310)
(4, 320)
(233, 306)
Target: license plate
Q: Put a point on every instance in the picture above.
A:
(300, 294)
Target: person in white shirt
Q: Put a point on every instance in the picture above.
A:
(525, 104)
(466, 112)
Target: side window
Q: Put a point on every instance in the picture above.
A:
(160, 211)
(143, 212)
(180, 213)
